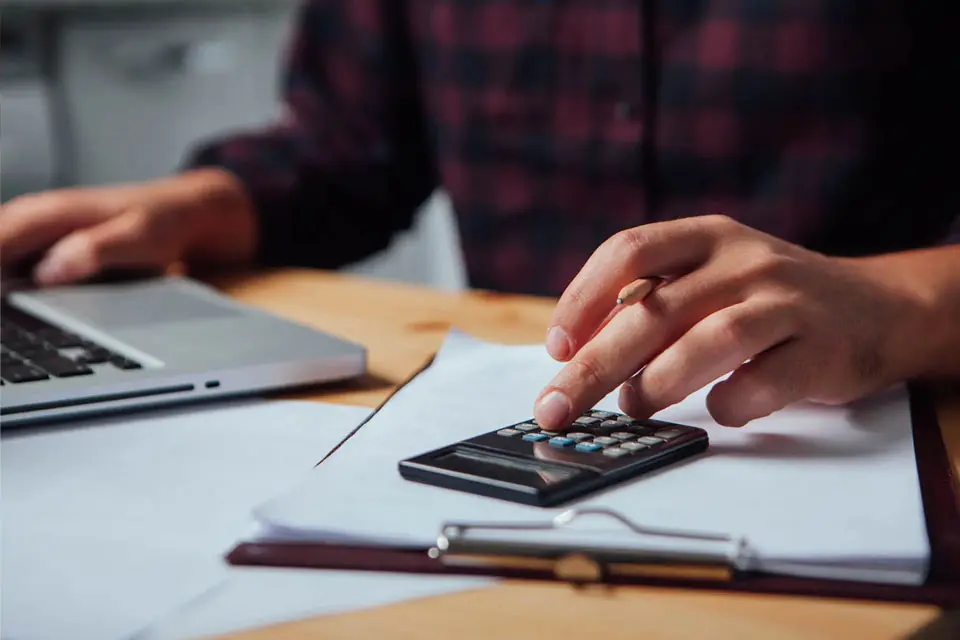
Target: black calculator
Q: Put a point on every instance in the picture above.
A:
(523, 463)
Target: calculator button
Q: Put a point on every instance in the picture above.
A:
(603, 415)
(508, 432)
(633, 446)
(560, 441)
(526, 427)
(588, 447)
(610, 424)
(650, 440)
(587, 421)
(616, 452)
(669, 434)
(626, 419)
(577, 436)
(622, 435)
(639, 430)
(605, 441)
(535, 437)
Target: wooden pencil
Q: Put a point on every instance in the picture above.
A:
(637, 290)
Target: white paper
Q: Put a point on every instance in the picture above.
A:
(109, 524)
(819, 491)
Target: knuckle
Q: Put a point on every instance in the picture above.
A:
(730, 329)
(721, 222)
(588, 372)
(629, 241)
(766, 262)
(575, 297)
(138, 222)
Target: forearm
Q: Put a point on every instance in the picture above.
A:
(930, 280)
(349, 163)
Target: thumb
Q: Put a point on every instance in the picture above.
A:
(122, 241)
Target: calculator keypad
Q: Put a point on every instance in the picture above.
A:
(600, 432)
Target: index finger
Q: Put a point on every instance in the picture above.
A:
(658, 249)
(34, 224)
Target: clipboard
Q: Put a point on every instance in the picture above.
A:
(459, 550)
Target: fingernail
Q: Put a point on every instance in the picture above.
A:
(558, 343)
(553, 410)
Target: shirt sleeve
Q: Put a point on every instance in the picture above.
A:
(349, 163)
(953, 235)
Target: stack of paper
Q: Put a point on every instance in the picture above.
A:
(110, 524)
(816, 491)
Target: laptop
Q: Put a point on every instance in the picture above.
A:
(76, 351)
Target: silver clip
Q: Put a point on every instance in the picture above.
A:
(579, 562)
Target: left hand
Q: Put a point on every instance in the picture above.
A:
(790, 324)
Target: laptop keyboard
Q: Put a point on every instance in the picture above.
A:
(32, 350)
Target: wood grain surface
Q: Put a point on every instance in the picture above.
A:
(402, 326)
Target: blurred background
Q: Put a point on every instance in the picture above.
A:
(103, 91)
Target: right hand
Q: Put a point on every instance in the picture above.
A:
(75, 234)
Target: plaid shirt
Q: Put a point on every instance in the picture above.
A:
(554, 124)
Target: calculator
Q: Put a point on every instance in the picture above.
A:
(523, 463)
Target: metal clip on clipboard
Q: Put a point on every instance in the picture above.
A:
(458, 545)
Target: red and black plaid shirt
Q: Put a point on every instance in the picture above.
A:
(554, 124)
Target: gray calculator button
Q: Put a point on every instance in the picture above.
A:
(587, 421)
(622, 435)
(611, 424)
(616, 452)
(603, 415)
(626, 419)
(577, 436)
(669, 434)
(650, 440)
(605, 441)
(508, 432)
(527, 427)
(633, 446)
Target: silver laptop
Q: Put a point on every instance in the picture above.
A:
(74, 351)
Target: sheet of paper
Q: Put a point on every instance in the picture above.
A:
(254, 598)
(820, 491)
(109, 524)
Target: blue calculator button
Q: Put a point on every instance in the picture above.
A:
(561, 442)
(535, 437)
(588, 447)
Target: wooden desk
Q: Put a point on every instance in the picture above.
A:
(403, 326)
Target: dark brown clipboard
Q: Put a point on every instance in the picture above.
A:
(938, 487)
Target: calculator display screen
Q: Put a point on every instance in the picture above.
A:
(528, 473)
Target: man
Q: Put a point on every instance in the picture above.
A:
(821, 130)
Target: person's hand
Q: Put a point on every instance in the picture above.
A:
(74, 234)
(790, 325)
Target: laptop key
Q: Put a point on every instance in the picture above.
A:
(60, 339)
(18, 373)
(124, 363)
(94, 356)
(61, 367)
(37, 350)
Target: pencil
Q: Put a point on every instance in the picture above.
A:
(637, 290)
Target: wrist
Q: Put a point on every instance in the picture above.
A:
(917, 335)
(220, 222)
